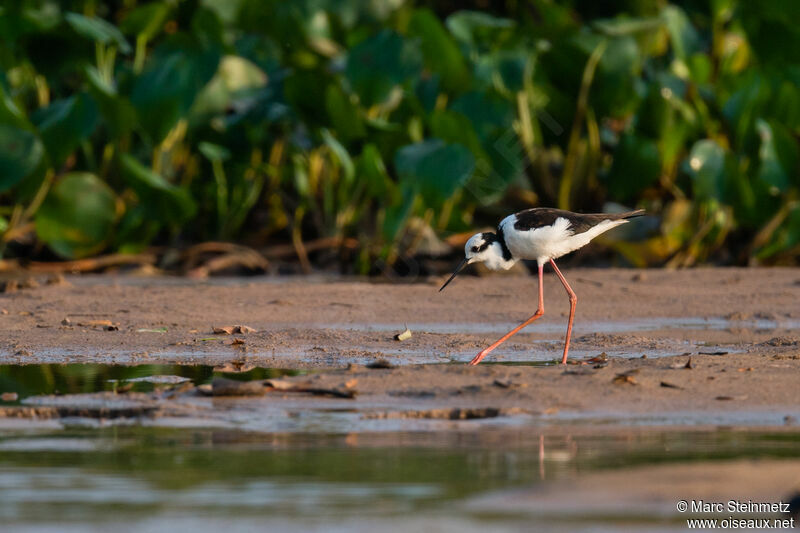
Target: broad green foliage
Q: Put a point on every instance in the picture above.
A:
(78, 216)
(65, 124)
(20, 154)
(97, 30)
(126, 124)
(434, 168)
(159, 198)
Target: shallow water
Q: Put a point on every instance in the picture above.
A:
(331, 470)
(151, 479)
(585, 327)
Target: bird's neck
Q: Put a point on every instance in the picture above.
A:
(496, 259)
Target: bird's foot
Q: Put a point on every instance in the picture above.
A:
(478, 358)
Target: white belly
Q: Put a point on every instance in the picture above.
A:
(549, 242)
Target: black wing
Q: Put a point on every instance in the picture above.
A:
(578, 222)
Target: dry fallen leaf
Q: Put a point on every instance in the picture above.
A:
(404, 335)
(290, 386)
(232, 367)
(599, 358)
(230, 330)
(626, 378)
(96, 323)
(688, 364)
(280, 384)
(230, 387)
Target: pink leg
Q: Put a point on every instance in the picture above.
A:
(573, 300)
(539, 312)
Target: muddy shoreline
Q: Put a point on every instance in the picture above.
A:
(689, 346)
(321, 323)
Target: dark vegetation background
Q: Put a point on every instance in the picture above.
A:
(360, 134)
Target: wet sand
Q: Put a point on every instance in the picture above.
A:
(635, 333)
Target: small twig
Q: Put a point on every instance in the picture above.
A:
(297, 241)
(286, 250)
(93, 263)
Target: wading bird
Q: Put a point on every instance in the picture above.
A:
(542, 234)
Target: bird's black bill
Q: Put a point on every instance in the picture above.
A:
(455, 273)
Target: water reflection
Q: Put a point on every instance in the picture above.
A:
(30, 380)
(94, 477)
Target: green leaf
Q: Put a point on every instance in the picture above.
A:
(706, 166)
(164, 93)
(20, 154)
(434, 168)
(119, 114)
(10, 113)
(378, 64)
(700, 68)
(214, 152)
(77, 218)
(636, 166)
(498, 157)
(344, 115)
(454, 127)
(145, 20)
(785, 106)
(371, 169)
(746, 103)
(613, 90)
(164, 201)
(624, 25)
(777, 156)
(684, 38)
(341, 154)
(439, 50)
(472, 27)
(488, 113)
(772, 31)
(97, 29)
(234, 86)
(65, 124)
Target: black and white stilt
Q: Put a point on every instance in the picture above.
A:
(542, 234)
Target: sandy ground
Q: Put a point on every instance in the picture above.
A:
(739, 327)
(304, 322)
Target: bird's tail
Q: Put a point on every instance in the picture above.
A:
(631, 214)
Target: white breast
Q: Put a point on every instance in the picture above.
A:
(549, 242)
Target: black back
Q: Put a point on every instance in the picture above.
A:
(578, 222)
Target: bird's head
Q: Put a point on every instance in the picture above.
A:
(483, 248)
